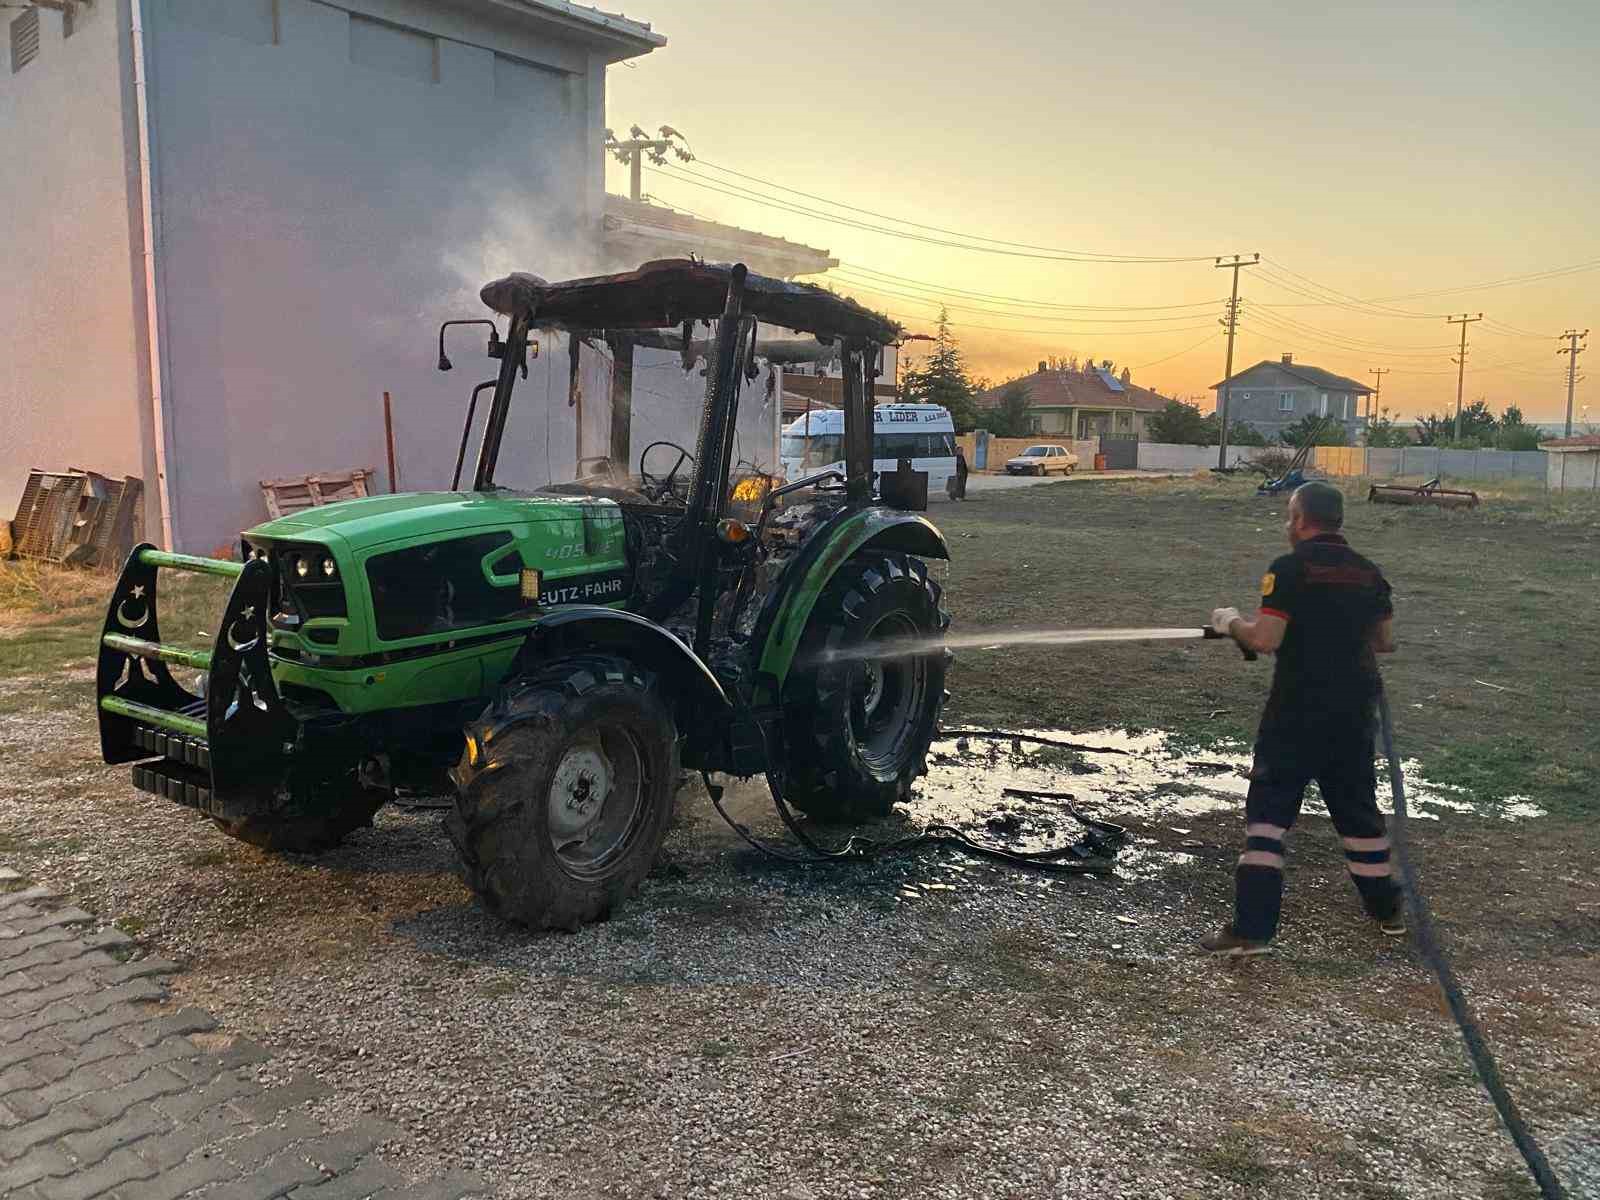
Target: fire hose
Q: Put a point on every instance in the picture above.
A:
(1428, 943)
(1106, 836)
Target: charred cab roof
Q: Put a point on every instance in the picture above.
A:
(670, 291)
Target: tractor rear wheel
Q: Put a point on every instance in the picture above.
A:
(564, 792)
(858, 726)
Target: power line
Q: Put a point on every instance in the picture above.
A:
(947, 289)
(1491, 325)
(1510, 281)
(1055, 333)
(1094, 255)
(1210, 337)
(1315, 299)
(1342, 341)
(1045, 253)
(1379, 301)
(1352, 300)
(937, 302)
(1338, 350)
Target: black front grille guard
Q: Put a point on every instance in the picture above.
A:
(229, 751)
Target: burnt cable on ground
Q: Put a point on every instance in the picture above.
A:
(1064, 860)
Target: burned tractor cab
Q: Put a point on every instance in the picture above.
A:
(566, 649)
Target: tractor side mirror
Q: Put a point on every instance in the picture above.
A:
(495, 349)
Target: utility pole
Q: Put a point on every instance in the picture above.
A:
(1572, 350)
(1231, 324)
(1461, 362)
(1373, 407)
(634, 151)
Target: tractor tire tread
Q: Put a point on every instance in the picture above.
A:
(827, 785)
(523, 719)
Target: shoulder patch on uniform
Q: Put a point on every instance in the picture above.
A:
(1268, 582)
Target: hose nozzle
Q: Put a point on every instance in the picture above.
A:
(1211, 635)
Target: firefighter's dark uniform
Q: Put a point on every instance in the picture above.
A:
(1318, 724)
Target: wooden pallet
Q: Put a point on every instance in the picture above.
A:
(78, 517)
(284, 496)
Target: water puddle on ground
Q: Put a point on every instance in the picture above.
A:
(1145, 779)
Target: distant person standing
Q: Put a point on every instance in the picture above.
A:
(1325, 611)
(961, 473)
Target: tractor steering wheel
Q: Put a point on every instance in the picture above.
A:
(661, 486)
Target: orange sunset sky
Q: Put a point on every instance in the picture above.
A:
(1388, 162)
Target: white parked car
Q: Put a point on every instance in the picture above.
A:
(1042, 460)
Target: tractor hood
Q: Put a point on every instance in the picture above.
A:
(375, 520)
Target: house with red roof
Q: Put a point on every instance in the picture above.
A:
(1082, 402)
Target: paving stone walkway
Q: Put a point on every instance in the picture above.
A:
(105, 1091)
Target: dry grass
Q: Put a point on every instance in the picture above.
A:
(50, 616)
(33, 593)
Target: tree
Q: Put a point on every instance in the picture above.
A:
(1179, 424)
(1010, 417)
(1328, 433)
(1478, 427)
(1514, 433)
(1385, 434)
(1240, 434)
(942, 379)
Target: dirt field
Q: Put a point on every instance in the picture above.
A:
(937, 1027)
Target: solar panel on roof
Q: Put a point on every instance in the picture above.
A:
(1111, 381)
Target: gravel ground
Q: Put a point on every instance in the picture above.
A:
(931, 1027)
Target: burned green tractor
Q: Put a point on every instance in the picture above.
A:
(555, 660)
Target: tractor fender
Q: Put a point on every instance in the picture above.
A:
(788, 607)
(695, 689)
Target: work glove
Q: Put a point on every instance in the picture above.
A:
(1221, 618)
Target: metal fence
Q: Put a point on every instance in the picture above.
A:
(1122, 454)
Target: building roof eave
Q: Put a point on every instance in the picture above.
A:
(623, 36)
(1341, 382)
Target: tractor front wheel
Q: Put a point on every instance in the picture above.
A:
(860, 720)
(565, 792)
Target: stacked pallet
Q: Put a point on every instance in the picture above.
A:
(78, 518)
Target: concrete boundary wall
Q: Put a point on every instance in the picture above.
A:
(1428, 461)
(1166, 456)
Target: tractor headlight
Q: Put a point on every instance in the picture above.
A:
(302, 566)
(532, 582)
(733, 532)
(328, 569)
